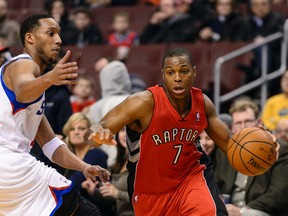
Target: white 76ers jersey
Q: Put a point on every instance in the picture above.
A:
(27, 186)
(18, 121)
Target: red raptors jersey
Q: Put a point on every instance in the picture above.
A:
(167, 150)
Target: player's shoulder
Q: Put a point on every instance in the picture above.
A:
(143, 96)
(140, 99)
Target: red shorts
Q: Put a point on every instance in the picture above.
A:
(191, 198)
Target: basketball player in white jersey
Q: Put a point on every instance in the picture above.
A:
(27, 186)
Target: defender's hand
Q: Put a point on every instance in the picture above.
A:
(95, 170)
(64, 72)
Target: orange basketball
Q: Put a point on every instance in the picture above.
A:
(251, 151)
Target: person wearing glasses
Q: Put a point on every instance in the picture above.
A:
(261, 195)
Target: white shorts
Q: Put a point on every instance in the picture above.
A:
(28, 187)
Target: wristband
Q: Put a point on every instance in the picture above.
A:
(50, 147)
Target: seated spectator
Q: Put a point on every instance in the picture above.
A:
(74, 130)
(9, 29)
(223, 24)
(276, 107)
(59, 11)
(122, 35)
(85, 32)
(281, 131)
(259, 24)
(115, 86)
(138, 84)
(82, 97)
(264, 194)
(171, 23)
(117, 189)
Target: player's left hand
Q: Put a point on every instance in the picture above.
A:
(95, 170)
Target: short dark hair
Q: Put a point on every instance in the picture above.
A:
(31, 23)
(178, 51)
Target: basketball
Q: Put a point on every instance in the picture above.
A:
(251, 151)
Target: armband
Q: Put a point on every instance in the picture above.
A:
(50, 147)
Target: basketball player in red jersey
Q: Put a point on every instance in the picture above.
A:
(163, 124)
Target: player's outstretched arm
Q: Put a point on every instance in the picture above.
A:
(24, 77)
(135, 111)
(58, 152)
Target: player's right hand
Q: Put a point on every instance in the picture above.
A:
(102, 136)
(64, 72)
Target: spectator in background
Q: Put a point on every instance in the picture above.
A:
(74, 130)
(59, 11)
(223, 24)
(276, 107)
(259, 24)
(171, 23)
(122, 37)
(9, 29)
(261, 195)
(117, 189)
(281, 131)
(85, 32)
(115, 87)
(208, 146)
(137, 82)
(82, 97)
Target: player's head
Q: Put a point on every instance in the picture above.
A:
(244, 114)
(40, 32)
(178, 72)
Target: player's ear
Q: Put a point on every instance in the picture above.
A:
(29, 38)
(194, 71)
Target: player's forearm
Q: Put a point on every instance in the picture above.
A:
(65, 158)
